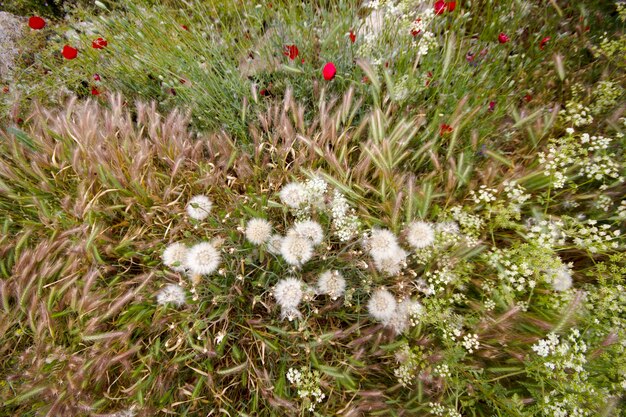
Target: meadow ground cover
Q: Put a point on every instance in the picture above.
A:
(394, 208)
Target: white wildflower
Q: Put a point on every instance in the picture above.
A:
(258, 231)
(202, 259)
(199, 207)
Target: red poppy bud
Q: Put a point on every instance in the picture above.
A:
(96, 77)
(492, 105)
(502, 38)
(444, 128)
(291, 51)
(95, 92)
(69, 52)
(99, 43)
(352, 36)
(451, 5)
(543, 42)
(329, 71)
(36, 22)
(527, 98)
(184, 27)
(440, 7)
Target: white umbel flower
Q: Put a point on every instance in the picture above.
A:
(331, 283)
(274, 243)
(258, 231)
(382, 305)
(199, 207)
(382, 242)
(174, 256)
(288, 294)
(310, 230)
(293, 195)
(173, 294)
(420, 234)
(203, 259)
(561, 279)
(391, 263)
(296, 249)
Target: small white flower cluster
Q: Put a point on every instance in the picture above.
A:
(560, 278)
(307, 383)
(600, 167)
(470, 342)
(471, 224)
(516, 194)
(516, 275)
(595, 238)
(442, 370)
(568, 353)
(558, 404)
(400, 88)
(558, 158)
(603, 202)
(605, 95)
(388, 256)
(546, 233)
(426, 43)
(576, 113)
(621, 210)
(409, 365)
(345, 223)
(440, 410)
(484, 195)
(439, 279)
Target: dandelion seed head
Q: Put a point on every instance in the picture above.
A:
(309, 229)
(258, 231)
(296, 249)
(199, 207)
(332, 283)
(382, 242)
(293, 195)
(173, 294)
(391, 263)
(288, 293)
(382, 305)
(203, 259)
(274, 244)
(420, 234)
(561, 279)
(174, 256)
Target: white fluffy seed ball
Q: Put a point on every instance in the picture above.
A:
(199, 207)
(288, 293)
(258, 231)
(296, 249)
(309, 229)
(382, 305)
(171, 293)
(203, 259)
(382, 242)
(332, 283)
(390, 263)
(174, 256)
(293, 195)
(274, 243)
(420, 234)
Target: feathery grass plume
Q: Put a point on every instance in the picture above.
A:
(258, 231)
(308, 229)
(382, 305)
(173, 294)
(199, 207)
(420, 234)
(174, 256)
(296, 250)
(288, 293)
(331, 283)
(202, 258)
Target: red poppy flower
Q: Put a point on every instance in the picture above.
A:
(96, 77)
(36, 22)
(527, 98)
(264, 92)
(502, 38)
(329, 71)
(444, 128)
(95, 92)
(492, 105)
(184, 27)
(69, 52)
(352, 36)
(543, 42)
(440, 7)
(291, 51)
(451, 5)
(99, 43)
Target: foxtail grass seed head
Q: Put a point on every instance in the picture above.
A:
(199, 207)
(420, 234)
(382, 305)
(331, 283)
(296, 250)
(293, 195)
(173, 294)
(258, 231)
(174, 256)
(203, 259)
(310, 230)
